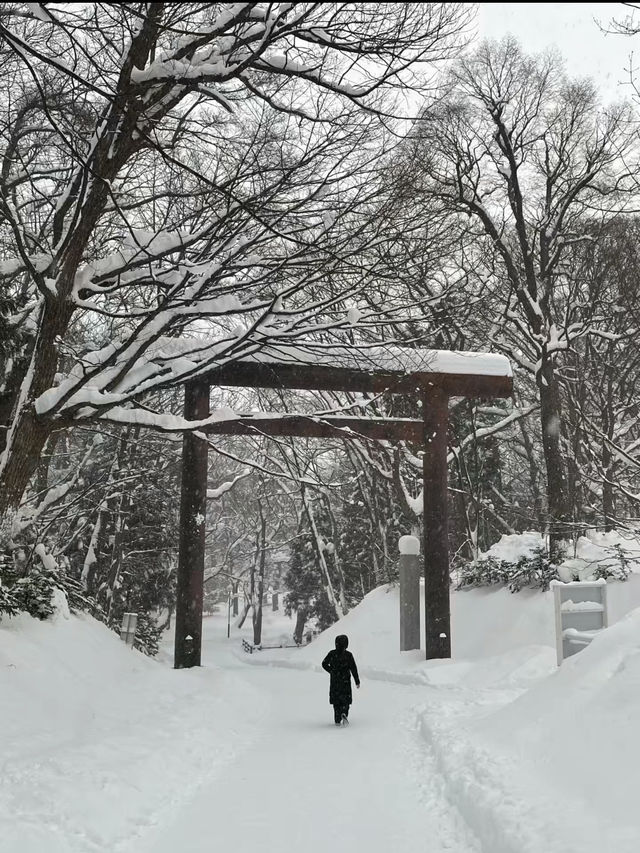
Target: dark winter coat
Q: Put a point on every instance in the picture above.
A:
(340, 665)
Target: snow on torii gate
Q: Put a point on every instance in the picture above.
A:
(432, 375)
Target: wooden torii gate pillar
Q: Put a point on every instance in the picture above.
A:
(434, 389)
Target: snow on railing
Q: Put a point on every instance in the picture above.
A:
(580, 614)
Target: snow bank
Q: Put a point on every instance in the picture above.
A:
(594, 549)
(498, 638)
(98, 741)
(512, 546)
(556, 768)
(584, 721)
(484, 623)
(535, 758)
(551, 767)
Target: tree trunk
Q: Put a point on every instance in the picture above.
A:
(245, 613)
(9, 394)
(608, 427)
(257, 611)
(337, 562)
(28, 433)
(328, 586)
(465, 502)
(534, 473)
(115, 566)
(557, 492)
(42, 474)
(298, 631)
(250, 600)
(608, 500)
(22, 458)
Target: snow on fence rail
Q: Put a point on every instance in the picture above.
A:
(580, 614)
(247, 647)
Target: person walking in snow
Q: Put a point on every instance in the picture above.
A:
(340, 665)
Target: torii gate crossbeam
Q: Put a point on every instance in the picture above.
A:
(434, 389)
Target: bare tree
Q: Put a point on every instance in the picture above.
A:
(600, 377)
(169, 177)
(523, 152)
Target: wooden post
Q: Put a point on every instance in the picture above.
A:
(193, 509)
(435, 525)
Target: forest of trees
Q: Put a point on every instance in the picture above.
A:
(182, 184)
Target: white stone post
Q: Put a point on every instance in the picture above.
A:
(410, 566)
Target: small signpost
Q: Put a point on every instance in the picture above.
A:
(580, 611)
(128, 629)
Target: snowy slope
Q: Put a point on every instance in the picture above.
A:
(557, 769)
(498, 637)
(579, 729)
(99, 742)
(106, 750)
(112, 752)
(536, 759)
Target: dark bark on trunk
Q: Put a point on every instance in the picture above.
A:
(42, 476)
(608, 427)
(245, 613)
(167, 622)
(126, 452)
(257, 611)
(251, 599)
(559, 514)
(23, 460)
(234, 603)
(115, 566)
(9, 396)
(463, 509)
(534, 473)
(29, 432)
(608, 501)
(298, 631)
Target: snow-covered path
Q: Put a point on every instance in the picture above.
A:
(106, 751)
(308, 785)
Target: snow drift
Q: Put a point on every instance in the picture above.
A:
(537, 759)
(99, 742)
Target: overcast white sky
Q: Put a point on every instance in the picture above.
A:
(572, 28)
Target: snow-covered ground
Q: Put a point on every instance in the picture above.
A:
(497, 750)
(99, 743)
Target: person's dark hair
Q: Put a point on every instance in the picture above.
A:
(342, 641)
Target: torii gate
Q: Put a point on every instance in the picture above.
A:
(432, 375)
